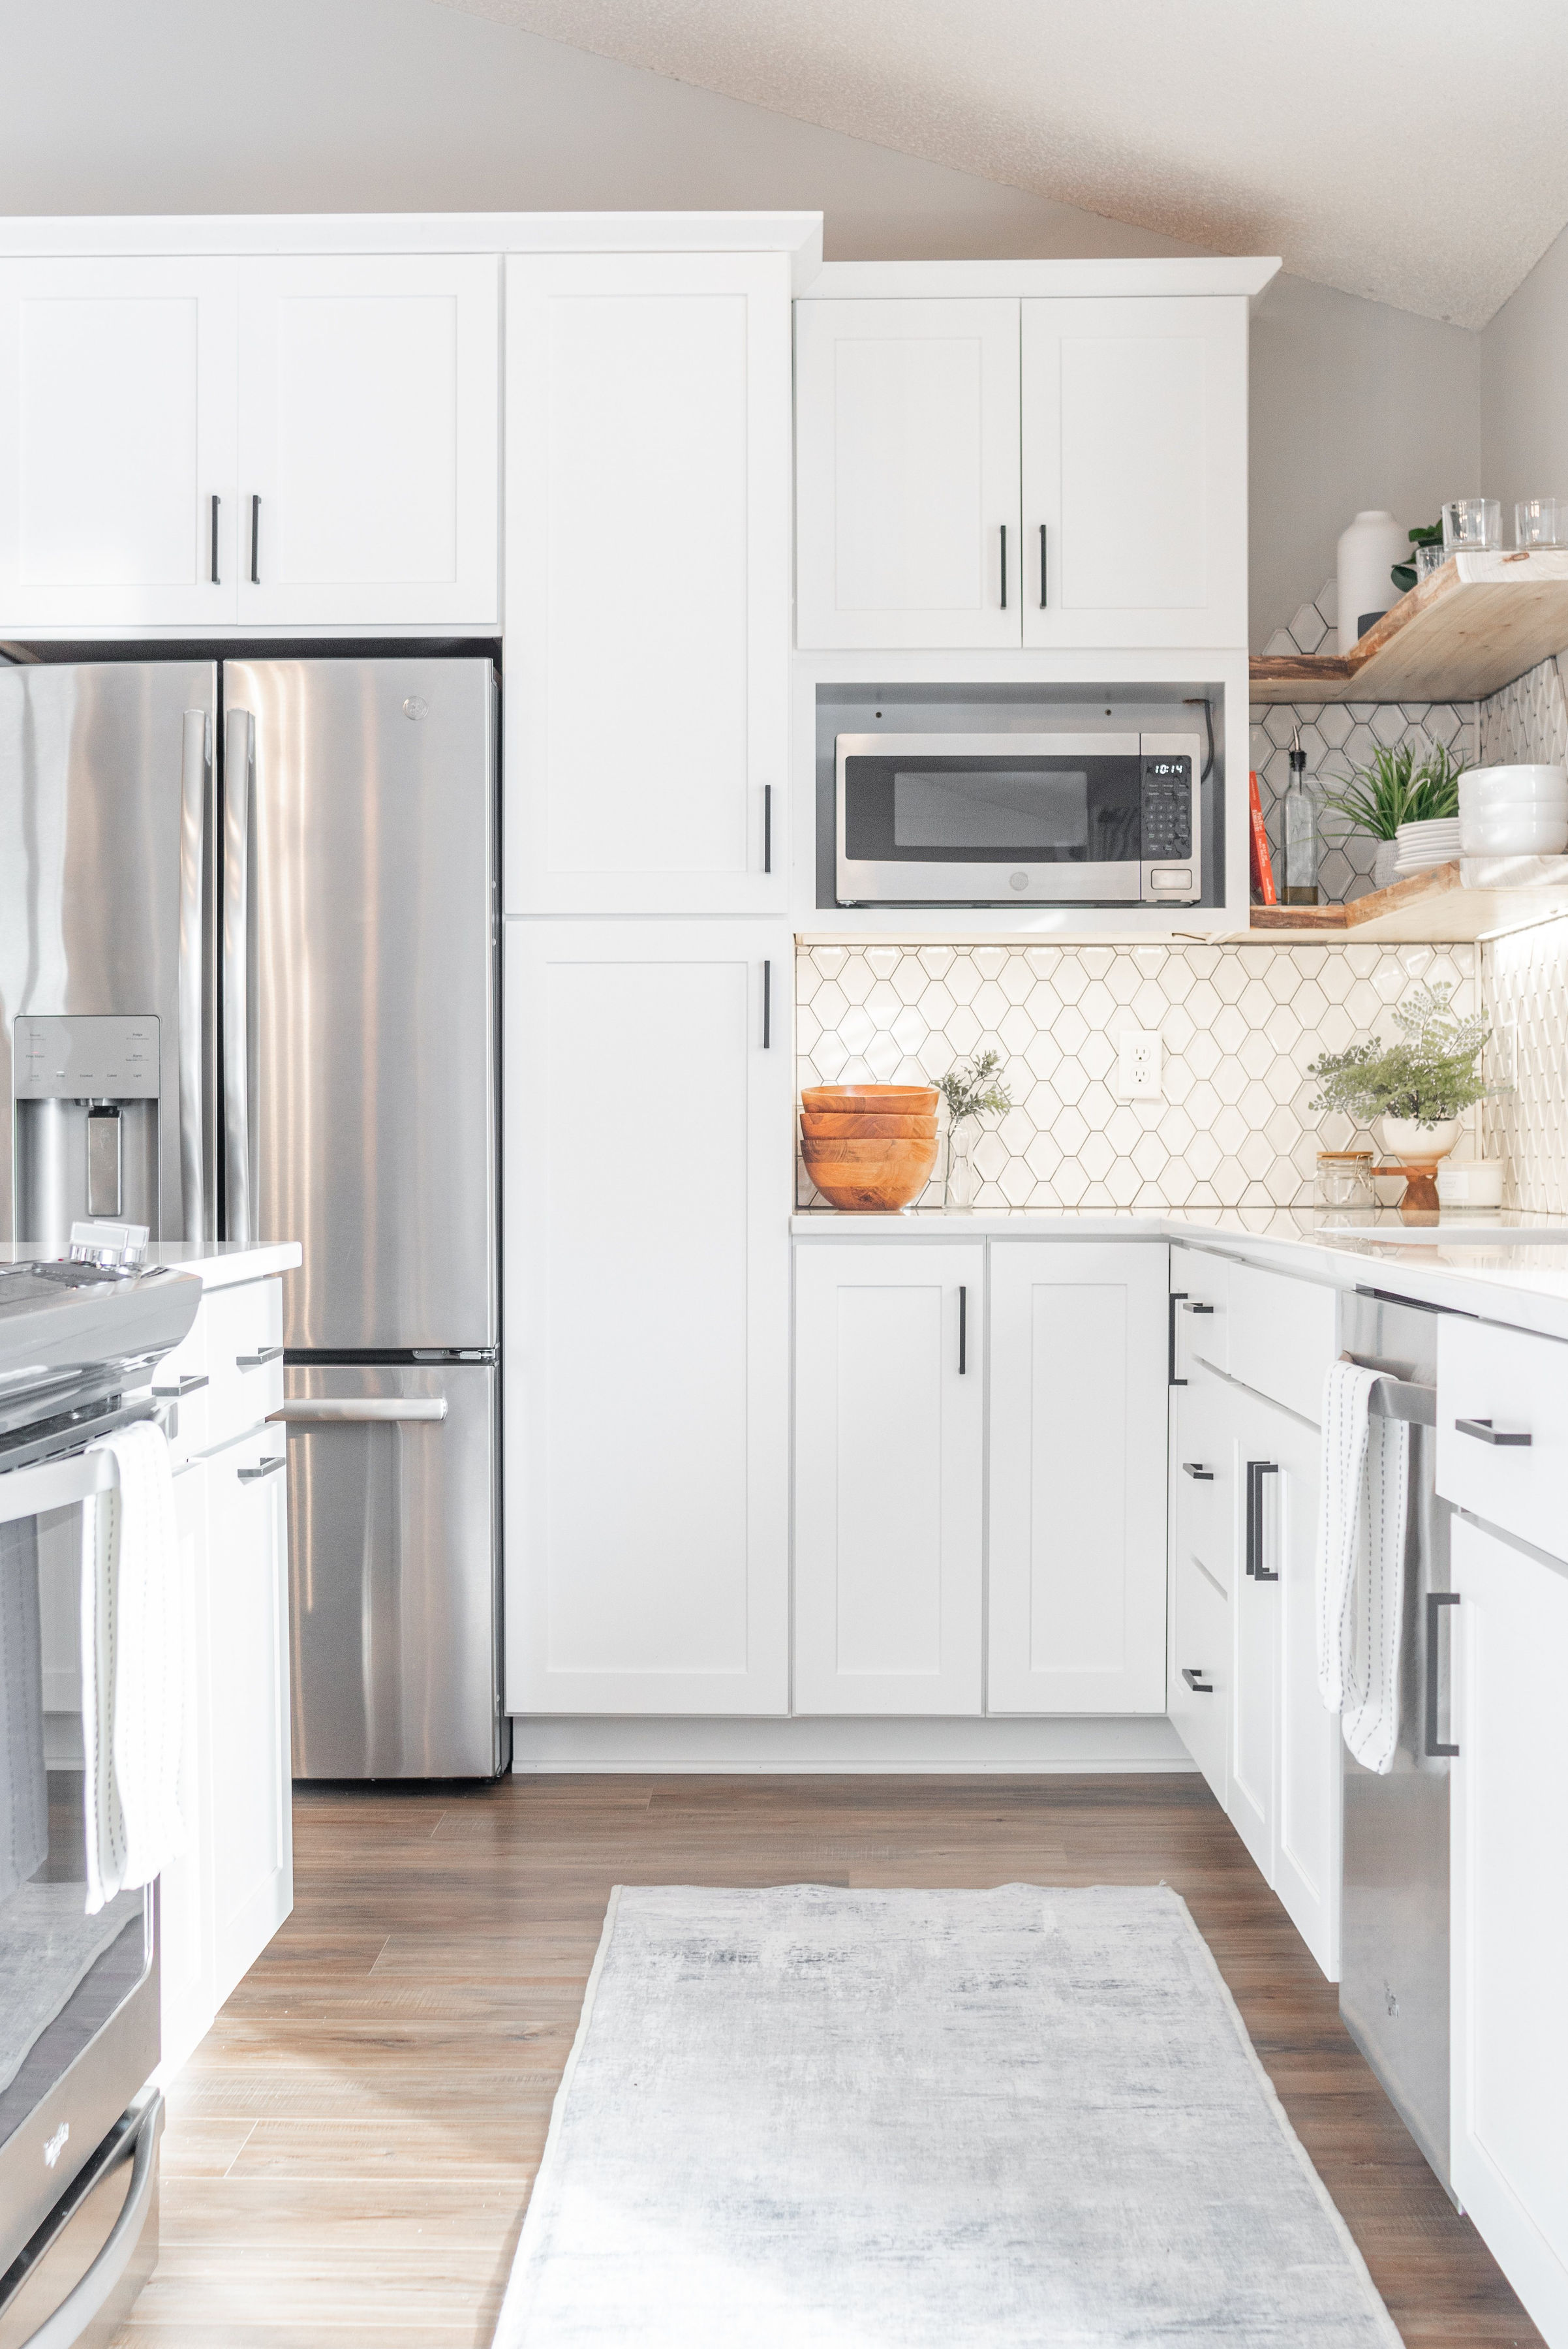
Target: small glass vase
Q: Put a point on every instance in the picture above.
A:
(959, 1188)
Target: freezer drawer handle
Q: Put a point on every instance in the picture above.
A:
(1256, 1472)
(1436, 1602)
(346, 1411)
(88, 2294)
(1196, 1681)
(1196, 1471)
(258, 1361)
(267, 1468)
(1485, 1433)
(186, 1386)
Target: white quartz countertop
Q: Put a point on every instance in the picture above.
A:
(217, 1264)
(1504, 1267)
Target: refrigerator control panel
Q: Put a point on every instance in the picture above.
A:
(85, 1058)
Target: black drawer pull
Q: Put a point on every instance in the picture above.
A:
(1436, 1602)
(1177, 1297)
(1256, 1472)
(1195, 1308)
(963, 1332)
(1196, 1471)
(1196, 1681)
(1485, 1433)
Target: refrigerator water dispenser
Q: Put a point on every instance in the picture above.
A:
(87, 1123)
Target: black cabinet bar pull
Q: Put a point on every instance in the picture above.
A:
(963, 1333)
(256, 541)
(1196, 1471)
(213, 566)
(767, 1007)
(1196, 1681)
(1485, 1433)
(1177, 1297)
(1256, 1472)
(1041, 566)
(1436, 1602)
(767, 827)
(1200, 1309)
(1004, 566)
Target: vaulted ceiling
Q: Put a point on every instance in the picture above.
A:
(1411, 151)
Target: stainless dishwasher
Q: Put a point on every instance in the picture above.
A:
(1394, 1972)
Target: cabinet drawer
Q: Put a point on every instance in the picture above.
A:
(1202, 1473)
(182, 1376)
(1494, 1383)
(1281, 1336)
(1198, 1288)
(244, 1357)
(1200, 1668)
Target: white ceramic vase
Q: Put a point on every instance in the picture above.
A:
(1368, 549)
(1405, 1139)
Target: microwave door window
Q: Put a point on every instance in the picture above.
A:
(1021, 812)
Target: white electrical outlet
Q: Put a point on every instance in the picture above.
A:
(1138, 1064)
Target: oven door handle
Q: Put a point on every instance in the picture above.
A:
(90, 2293)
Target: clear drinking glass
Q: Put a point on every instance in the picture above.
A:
(1473, 525)
(1540, 522)
(1429, 559)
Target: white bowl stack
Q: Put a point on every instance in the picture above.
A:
(1514, 812)
(1422, 845)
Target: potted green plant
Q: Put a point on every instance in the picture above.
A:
(971, 1091)
(1397, 787)
(1417, 1089)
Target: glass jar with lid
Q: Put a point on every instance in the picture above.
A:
(1345, 1180)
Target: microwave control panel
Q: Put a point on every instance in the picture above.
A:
(1166, 807)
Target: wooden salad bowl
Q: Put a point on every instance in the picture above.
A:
(871, 1101)
(870, 1177)
(896, 1150)
(829, 1125)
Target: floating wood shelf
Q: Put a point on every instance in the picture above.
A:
(1435, 907)
(1471, 629)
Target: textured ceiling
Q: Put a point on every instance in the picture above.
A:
(1411, 151)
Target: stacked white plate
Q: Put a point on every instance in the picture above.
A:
(1422, 845)
(1514, 812)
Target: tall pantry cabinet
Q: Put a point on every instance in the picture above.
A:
(648, 978)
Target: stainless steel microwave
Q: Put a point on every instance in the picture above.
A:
(1019, 819)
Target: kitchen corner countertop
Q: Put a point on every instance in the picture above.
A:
(1503, 1267)
(217, 1264)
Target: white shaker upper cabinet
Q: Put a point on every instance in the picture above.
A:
(907, 454)
(648, 574)
(116, 443)
(650, 1089)
(1135, 471)
(369, 441)
(1078, 1410)
(890, 1452)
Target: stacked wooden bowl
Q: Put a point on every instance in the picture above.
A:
(869, 1148)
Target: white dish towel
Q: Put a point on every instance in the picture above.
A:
(132, 1639)
(1361, 1563)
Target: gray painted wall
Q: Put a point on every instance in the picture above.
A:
(1524, 388)
(214, 106)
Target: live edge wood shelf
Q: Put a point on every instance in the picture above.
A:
(1433, 906)
(1471, 629)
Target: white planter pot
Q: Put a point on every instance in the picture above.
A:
(1405, 1139)
(1385, 864)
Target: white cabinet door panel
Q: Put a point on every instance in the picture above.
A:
(368, 430)
(908, 472)
(648, 566)
(1200, 1667)
(186, 1967)
(1510, 1910)
(889, 1436)
(117, 432)
(1135, 464)
(1079, 1412)
(647, 1349)
(248, 1664)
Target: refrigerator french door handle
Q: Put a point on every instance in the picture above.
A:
(195, 760)
(332, 1410)
(239, 760)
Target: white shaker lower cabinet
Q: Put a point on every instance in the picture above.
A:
(648, 1170)
(1077, 1477)
(890, 1452)
(1509, 1912)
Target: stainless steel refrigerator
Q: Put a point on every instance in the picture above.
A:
(247, 989)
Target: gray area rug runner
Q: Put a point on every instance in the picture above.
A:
(847, 2119)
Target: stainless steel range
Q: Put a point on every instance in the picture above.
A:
(79, 1993)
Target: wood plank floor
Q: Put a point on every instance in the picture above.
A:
(350, 2150)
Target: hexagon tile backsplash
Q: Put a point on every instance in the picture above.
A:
(1237, 1025)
